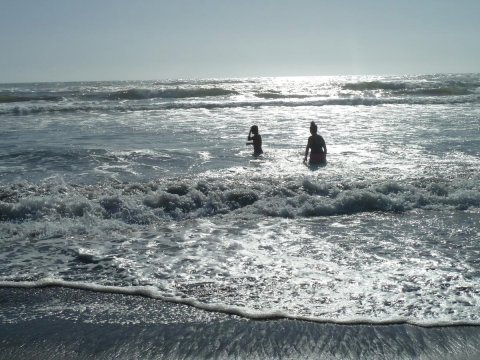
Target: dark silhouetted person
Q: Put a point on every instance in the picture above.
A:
(318, 149)
(256, 140)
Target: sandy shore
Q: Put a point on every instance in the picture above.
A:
(61, 323)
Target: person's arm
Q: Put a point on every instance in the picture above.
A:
(306, 150)
(324, 146)
(249, 138)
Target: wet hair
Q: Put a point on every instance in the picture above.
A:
(254, 129)
(313, 127)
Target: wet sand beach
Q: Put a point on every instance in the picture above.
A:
(62, 323)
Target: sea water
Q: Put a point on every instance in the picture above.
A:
(148, 187)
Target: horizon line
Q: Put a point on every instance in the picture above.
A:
(234, 77)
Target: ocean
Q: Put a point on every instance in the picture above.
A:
(148, 188)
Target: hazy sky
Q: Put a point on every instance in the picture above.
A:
(62, 40)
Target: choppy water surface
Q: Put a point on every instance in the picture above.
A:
(148, 186)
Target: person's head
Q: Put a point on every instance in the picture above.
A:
(313, 128)
(254, 129)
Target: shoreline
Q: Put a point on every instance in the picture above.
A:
(66, 323)
(147, 293)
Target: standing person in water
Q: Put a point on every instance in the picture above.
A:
(256, 140)
(318, 153)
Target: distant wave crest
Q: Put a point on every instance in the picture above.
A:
(179, 93)
(418, 89)
(127, 94)
(6, 98)
(280, 101)
(374, 85)
(279, 95)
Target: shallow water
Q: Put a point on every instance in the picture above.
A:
(149, 186)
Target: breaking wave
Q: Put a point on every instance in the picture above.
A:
(150, 202)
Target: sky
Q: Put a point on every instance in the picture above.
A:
(83, 40)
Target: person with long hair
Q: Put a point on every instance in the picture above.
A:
(256, 140)
(316, 145)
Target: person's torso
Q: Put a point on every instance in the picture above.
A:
(257, 143)
(316, 144)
